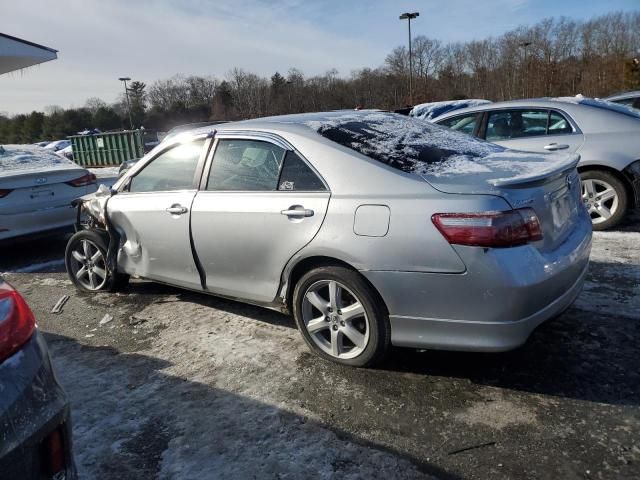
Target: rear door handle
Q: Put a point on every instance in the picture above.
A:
(177, 209)
(299, 212)
(556, 146)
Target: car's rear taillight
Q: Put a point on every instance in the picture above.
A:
(490, 229)
(83, 181)
(4, 192)
(17, 322)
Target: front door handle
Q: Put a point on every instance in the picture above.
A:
(177, 209)
(556, 146)
(297, 211)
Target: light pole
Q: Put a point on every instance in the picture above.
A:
(126, 94)
(410, 16)
(525, 83)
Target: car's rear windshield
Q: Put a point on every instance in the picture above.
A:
(407, 144)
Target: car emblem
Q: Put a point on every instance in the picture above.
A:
(569, 181)
(41, 180)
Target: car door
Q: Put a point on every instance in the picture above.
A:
(259, 203)
(532, 129)
(151, 213)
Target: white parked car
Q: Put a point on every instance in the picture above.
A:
(36, 190)
(58, 145)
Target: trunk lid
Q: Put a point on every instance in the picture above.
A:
(547, 183)
(37, 179)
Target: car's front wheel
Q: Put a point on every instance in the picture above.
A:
(605, 198)
(340, 316)
(86, 263)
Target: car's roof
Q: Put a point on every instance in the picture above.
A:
(293, 123)
(573, 105)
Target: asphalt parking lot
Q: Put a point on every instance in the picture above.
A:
(173, 384)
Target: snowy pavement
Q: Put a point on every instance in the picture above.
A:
(181, 385)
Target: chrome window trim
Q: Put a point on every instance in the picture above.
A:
(263, 137)
(126, 180)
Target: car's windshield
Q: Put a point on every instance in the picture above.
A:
(407, 144)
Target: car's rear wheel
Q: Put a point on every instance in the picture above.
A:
(341, 317)
(605, 198)
(86, 263)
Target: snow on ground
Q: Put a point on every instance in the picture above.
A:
(210, 396)
(431, 110)
(614, 285)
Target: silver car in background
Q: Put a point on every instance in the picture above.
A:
(604, 134)
(37, 187)
(372, 228)
(630, 99)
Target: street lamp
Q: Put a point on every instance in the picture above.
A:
(410, 16)
(525, 84)
(126, 94)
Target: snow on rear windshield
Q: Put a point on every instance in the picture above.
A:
(407, 144)
(29, 157)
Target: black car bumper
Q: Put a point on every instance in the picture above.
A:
(632, 174)
(35, 425)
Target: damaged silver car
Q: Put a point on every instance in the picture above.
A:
(371, 228)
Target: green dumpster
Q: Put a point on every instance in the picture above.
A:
(107, 149)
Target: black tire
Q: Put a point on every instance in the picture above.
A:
(622, 198)
(379, 330)
(114, 281)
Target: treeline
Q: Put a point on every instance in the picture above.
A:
(551, 58)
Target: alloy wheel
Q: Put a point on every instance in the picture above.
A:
(88, 265)
(335, 319)
(600, 199)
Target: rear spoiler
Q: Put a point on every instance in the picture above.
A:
(562, 167)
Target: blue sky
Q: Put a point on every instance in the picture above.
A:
(100, 40)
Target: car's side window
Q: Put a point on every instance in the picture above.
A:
(462, 123)
(172, 170)
(246, 165)
(505, 125)
(297, 175)
(558, 125)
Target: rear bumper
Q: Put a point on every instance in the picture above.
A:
(32, 406)
(495, 305)
(16, 225)
(477, 336)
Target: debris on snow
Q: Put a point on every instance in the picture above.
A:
(57, 308)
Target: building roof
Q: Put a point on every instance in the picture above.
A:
(16, 53)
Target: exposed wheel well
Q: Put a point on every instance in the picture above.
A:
(309, 264)
(625, 181)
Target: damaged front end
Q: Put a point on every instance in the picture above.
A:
(92, 215)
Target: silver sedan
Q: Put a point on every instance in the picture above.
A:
(372, 228)
(36, 190)
(604, 134)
